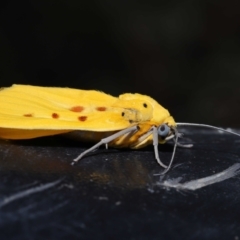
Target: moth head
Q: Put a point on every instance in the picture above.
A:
(166, 132)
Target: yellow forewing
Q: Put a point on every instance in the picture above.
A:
(30, 111)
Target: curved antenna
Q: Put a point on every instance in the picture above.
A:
(173, 154)
(207, 126)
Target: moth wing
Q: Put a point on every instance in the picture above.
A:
(29, 111)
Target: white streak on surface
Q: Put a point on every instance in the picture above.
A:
(28, 192)
(202, 182)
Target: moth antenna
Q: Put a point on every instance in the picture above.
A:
(173, 154)
(207, 126)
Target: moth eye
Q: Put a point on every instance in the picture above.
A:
(163, 130)
(145, 105)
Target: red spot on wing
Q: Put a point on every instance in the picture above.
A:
(27, 115)
(101, 109)
(77, 109)
(55, 115)
(82, 118)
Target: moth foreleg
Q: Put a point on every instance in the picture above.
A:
(105, 141)
(155, 145)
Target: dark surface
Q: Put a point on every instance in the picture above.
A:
(113, 194)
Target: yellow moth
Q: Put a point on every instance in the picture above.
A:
(129, 120)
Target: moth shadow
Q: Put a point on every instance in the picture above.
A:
(51, 141)
(167, 147)
(59, 141)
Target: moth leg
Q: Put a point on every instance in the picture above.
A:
(180, 135)
(182, 145)
(155, 145)
(105, 141)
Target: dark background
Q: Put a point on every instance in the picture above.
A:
(185, 54)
